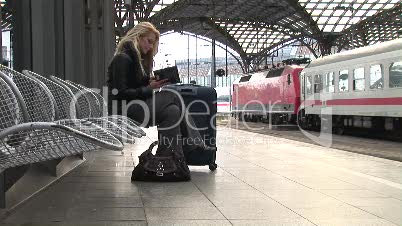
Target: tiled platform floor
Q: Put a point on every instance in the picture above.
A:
(261, 180)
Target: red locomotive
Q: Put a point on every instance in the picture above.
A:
(272, 95)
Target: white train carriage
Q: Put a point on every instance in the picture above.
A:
(359, 88)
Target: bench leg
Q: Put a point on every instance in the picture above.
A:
(51, 166)
(2, 190)
(81, 156)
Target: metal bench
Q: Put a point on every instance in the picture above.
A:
(96, 101)
(24, 140)
(124, 120)
(70, 106)
(27, 137)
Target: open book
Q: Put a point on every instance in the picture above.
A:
(171, 73)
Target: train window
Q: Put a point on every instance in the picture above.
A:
(329, 82)
(317, 83)
(223, 98)
(302, 81)
(395, 75)
(343, 81)
(358, 79)
(275, 73)
(376, 76)
(245, 78)
(309, 83)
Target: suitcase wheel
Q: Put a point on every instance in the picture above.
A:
(213, 166)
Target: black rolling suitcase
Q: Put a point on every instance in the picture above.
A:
(197, 99)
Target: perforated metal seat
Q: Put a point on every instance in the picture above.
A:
(123, 120)
(96, 101)
(67, 103)
(23, 142)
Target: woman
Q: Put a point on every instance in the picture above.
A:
(132, 90)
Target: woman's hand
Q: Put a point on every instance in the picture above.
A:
(155, 84)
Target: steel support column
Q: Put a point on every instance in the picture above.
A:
(22, 34)
(2, 190)
(326, 43)
(213, 65)
(1, 38)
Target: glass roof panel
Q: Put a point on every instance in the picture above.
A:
(339, 28)
(327, 12)
(316, 12)
(344, 12)
(347, 14)
(310, 5)
(387, 6)
(370, 13)
(322, 6)
(322, 20)
(355, 20)
(328, 28)
(360, 13)
(337, 12)
(344, 20)
(379, 6)
(366, 6)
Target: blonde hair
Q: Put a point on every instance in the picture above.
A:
(132, 37)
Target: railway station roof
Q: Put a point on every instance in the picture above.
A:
(256, 28)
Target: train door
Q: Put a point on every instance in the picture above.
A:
(289, 91)
(288, 95)
(302, 87)
(301, 117)
(283, 92)
(284, 89)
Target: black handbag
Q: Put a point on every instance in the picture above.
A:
(160, 168)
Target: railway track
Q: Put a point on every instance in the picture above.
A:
(363, 145)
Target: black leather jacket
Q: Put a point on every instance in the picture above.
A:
(126, 76)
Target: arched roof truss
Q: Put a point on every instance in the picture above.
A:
(256, 28)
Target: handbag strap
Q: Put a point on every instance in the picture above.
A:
(148, 151)
(152, 145)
